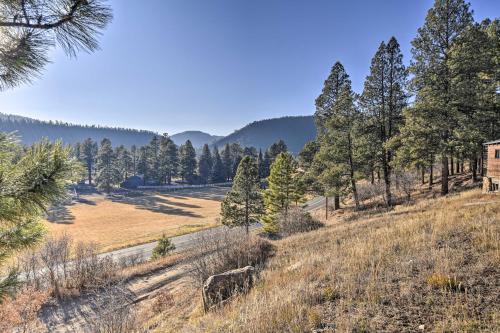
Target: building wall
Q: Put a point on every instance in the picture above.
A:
(493, 166)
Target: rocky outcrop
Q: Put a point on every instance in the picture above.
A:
(219, 288)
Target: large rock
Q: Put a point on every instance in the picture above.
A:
(218, 288)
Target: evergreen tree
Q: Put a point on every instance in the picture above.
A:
(187, 161)
(339, 149)
(306, 155)
(383, 100)
(217, 175)
(277, 148)
(108, 174)
(32, 179)
(135, 159)
(243, 205)
(250, 151)
(284, 190)
(432, 76)
(162, 248)
(260, 164)
(88, 152)
(332, 87)
(236, 156)
(154, 160)
(205, 164)
(227, 161)
(143, 164)
(169, 159)
(474, 65)
(124, 162)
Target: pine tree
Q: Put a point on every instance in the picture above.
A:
(432, 76)
(108, 174)
(284, 190)
(217, 175)
(474, 65)
(32, 179)
(277, 148)
(162, 248)
(244, 204)
(383, 100)
(236, 156)
(169, 159)
(88, 153)
(143, 164)
(187, 161)
(154, 160)
(227, 161)
(124, 162)
(135, 159)
(205, 164)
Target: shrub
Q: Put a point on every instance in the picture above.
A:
(297, 220)
(441, 281)
(20, 313)
(164, 247)
(221, 250)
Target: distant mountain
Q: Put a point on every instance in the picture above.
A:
(197, 138)
(32, 130)
(295, 131)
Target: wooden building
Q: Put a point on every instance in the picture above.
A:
(491, 181)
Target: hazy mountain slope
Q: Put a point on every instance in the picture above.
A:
(32, 130)
(295, 131)
(198, 138)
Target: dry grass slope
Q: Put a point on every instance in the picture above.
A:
(436, 263)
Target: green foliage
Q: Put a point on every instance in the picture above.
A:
(205, 164)
(108, 174)
(285, 189)
(217, 174)
(169, 159)
(88, 155)
(163, 248)
(187, 161)
(243, 205)
(30, 181)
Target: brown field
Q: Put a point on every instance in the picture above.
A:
(120, 220)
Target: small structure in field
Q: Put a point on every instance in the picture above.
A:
(491, 182)
(132, 182)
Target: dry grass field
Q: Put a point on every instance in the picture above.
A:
(121, 220)
(433, 266)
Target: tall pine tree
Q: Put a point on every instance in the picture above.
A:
(187, 161)
(205, 164)
(108, 174)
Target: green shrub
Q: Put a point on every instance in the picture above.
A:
(164, 247)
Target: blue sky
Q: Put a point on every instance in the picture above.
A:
(216, 65)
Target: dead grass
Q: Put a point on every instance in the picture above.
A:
(435, 263)
(124, 220)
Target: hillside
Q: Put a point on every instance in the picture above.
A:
(32, 130)
(432, 266)
(198, 138)
(295, 131)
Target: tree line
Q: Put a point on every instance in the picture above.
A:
(161, 161)
(440, 109)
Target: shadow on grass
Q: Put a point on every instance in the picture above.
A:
(60, 215)
(155, 204)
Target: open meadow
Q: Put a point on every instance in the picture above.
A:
(134, 217)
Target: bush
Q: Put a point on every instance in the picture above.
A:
(297, 220)
(221, 250)
(164, 247)
(20, 313)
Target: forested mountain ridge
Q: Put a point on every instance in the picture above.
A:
(295, 131)
(31, 130)
(197, 138)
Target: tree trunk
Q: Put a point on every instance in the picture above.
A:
(387, 180)
(431, 177)
(423, 175)
(473, 164)
(336, 202)
(90, 175)
(378, 175)
(452, 163)
(372, 181)
(462, 166)
(458, 166)
(444, 174)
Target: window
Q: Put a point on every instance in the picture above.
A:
(497, 153)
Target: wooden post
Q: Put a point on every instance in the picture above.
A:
(326, 208)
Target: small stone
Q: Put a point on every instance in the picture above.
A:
(421, 327)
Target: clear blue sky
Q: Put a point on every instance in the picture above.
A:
(174, 65)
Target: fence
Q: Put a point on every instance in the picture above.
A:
(181, 187)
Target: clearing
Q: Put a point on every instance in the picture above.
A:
(134, 217)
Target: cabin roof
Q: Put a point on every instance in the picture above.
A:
(492, 142)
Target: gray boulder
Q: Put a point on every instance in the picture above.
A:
(219, 288)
